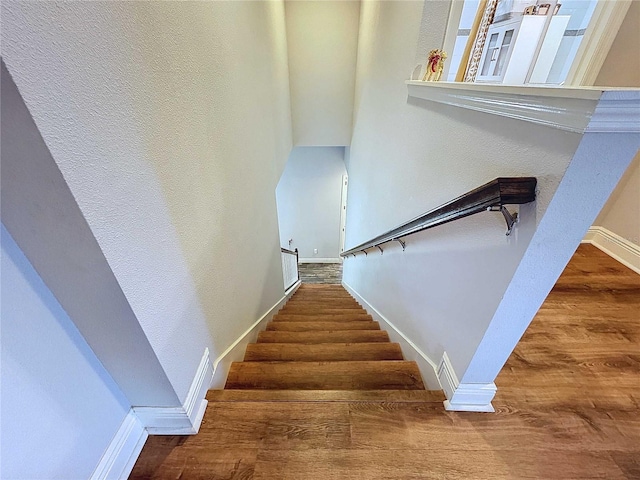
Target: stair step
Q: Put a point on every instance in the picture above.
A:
(321, 326)
(321, 310)
(343, 336)
(324, 303)
(322, 286)
(336, 317)
(323, 352)
(318, 396)
(360, 375)
(317, 294)
(342, 294)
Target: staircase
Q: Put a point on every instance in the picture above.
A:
(323, 345)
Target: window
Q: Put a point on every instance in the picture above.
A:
(526, 43)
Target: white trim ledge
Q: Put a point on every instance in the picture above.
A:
(564, 108)
(410, 350)
(464, 397)
(184, 420)
(123, 451)
(235, 351)
(615, 246)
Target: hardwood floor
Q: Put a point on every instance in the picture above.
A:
(567, 407)
(330, 273)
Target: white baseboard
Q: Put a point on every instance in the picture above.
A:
(465, 397)
(319, 260)
(123, 451)
(615, 246)
(409, 349)
(184, 420)
(235, 352)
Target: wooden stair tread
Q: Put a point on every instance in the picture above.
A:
(358, 375)
(340, 336)
(318, 396)
(294, 305)
(319, 326)
(260, 352)
(299, 317)
(322, 307)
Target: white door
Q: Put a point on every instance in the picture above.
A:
(343, 211)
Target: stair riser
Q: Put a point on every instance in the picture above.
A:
(346, 336)
(381, 375)
(350, 306)
(280, 317)
(384, 397)
(293, 352)
(321, 311)
(321, 326)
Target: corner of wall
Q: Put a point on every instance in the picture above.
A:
(236, 350)
(409, 349)
(465, 397)
(186, 419)
(123, 451)
(615, 246)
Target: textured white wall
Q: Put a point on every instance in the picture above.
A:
(322, 37)
(621, 214)
(443, 291)
(171, 125)
(44, 219)
(308, 197)
(60, 408)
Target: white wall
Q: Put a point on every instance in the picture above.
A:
(60, 408)
(322, 37)
(408, 156)
(43, 217)
(170, 122)
(621, 214)
(308, 197)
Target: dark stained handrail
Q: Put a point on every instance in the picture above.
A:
(495, 194)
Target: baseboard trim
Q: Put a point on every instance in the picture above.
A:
(123, 451)
(409, 349)
(617, 247)
(464, 397)
(186, 419)
(235, 352)
(319, 260)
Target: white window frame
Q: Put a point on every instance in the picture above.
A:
(594, 48)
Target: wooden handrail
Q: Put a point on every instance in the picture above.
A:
(493, 195)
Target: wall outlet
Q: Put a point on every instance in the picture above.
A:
(315, 251)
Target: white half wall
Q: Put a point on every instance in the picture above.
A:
(322, 37)
(410, 155)
(308, 197)
(60, 408)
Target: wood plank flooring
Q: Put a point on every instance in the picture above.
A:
(330, 273)
(567, 407)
